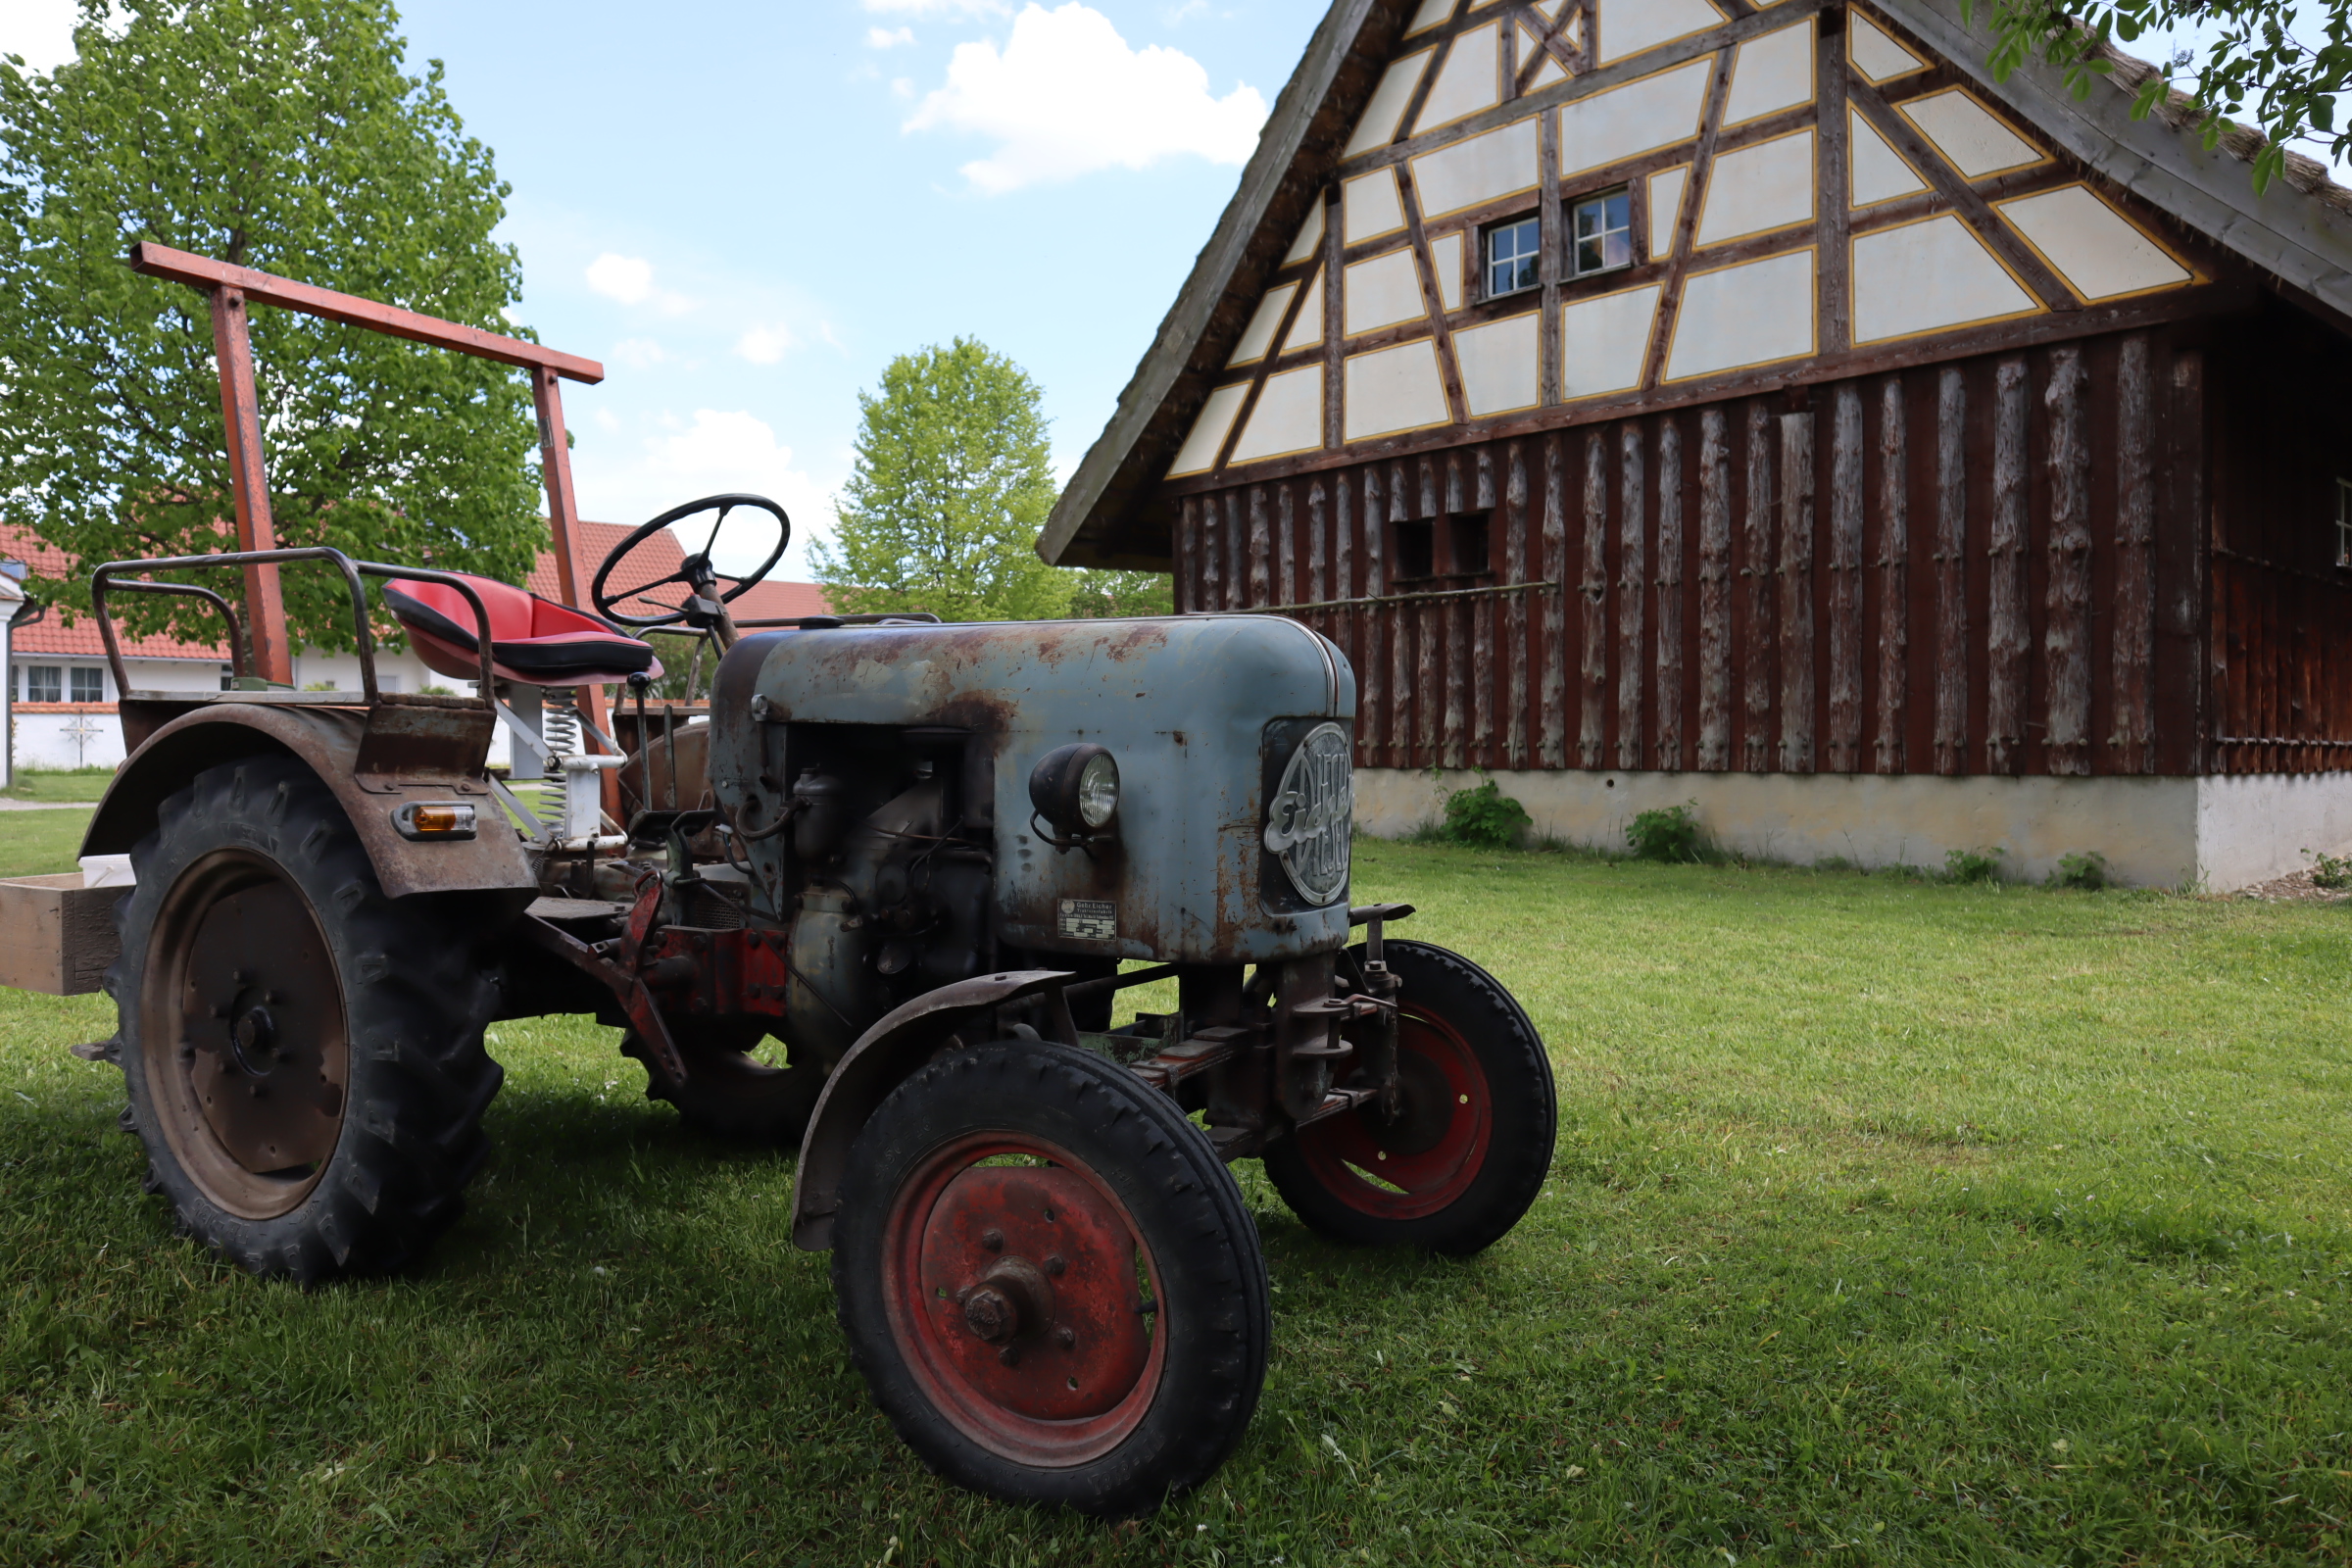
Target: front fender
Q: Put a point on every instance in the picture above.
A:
(328, 740)
(883, 1057)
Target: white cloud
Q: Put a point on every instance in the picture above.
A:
(1177, 16)
(901, 86)
(717, 452)
(765, 345)
(1066, 96)
(888, 37)
(41, 30)
(630, 280)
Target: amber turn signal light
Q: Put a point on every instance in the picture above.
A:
(435, 819)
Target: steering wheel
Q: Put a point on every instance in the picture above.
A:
(695, 573)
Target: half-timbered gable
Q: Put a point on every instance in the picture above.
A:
(1760, 402)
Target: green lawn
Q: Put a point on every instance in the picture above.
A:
(1891, 1223)
(36, 843)
(79, 784)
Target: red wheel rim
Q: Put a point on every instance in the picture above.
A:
(1022, 1296)
(1427, 1158)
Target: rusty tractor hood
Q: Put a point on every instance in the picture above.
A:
(1203, 713)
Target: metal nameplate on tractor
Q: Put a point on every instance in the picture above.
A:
(1088, 919)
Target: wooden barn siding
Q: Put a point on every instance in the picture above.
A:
(2280, 654)
(1982, 566)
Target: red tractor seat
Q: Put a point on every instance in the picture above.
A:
(533, 641)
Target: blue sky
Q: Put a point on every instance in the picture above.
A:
(745, 210)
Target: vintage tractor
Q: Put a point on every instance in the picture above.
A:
(926, 857)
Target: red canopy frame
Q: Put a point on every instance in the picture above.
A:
(232, 290)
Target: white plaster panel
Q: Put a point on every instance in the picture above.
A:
(1971, 137)
(1289, 416)
(1875, 171)
(1310, 236)
(1757, 189)
(1370, 206)
(1498, 364)
(1199, 450)
(1446, 259)
(1918, 277)
(1604, 339)
(1666, 208)
(1770, 73)
(1394, 389)
(2153, 831)
(1875, 52)
(1378, 126)
(1751, 314)
(1530, 44)
(1549, 10)
(1308, 330)
(1467, 83)
(1657, 110)
(1258, 335)
(1549, 71)
(1431, 14)
(2099, 252)
(1477, 169)
(1381, 292)
(1628, 26)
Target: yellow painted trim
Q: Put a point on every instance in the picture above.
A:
(1926, 188)
(1686, 171)
(1880, 24)
(1294, 288)
(1656, 285)
(1600, 38)
(1814, 302)
(1904, 109)
(1812, 63)
(2194, 277)
(1416, 32)
(1518, 407)
(1227, 434)
(1419, 263)
(1389, 169)
(1418, 130)
(1812, 185)
(2000, 260)
(1403, 429)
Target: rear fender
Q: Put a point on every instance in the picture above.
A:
(884, 1056)
(330, 741)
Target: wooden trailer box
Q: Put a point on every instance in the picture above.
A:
(56, 935)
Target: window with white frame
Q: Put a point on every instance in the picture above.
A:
(1514, 252)
(44, 683)
(89, 685)
(1600, 233)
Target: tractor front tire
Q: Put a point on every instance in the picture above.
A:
(303, 1054)
(1468, 1150)
(1050, 1281)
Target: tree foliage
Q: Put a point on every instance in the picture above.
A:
(2255, 70)
(281, 134)
(951, 482)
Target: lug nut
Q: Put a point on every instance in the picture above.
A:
(1066, 1335)
(993, 1241)
(1056, 1266)
(1009, 1355)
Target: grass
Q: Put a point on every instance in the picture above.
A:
(63, 784)
(1891, 1222)
(38, 843)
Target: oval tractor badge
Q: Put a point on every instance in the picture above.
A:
(1312, 814)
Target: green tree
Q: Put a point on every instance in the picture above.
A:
(2254, 70)
(950, 484)
(281, 134)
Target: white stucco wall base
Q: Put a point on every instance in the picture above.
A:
(2223, 833)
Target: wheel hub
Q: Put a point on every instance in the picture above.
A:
(1035, 1305)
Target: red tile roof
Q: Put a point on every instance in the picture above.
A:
(654, 558)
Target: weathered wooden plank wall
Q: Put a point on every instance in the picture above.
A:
(2054, 499)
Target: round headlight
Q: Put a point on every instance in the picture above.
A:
(1097, 790)
(1076, 788)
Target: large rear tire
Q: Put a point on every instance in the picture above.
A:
(1468, 1150)
(303, 1056)
(1050, 1281)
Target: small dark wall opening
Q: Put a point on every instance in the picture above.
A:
(1439, 552)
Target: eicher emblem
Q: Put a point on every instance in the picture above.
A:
(1312, 814)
